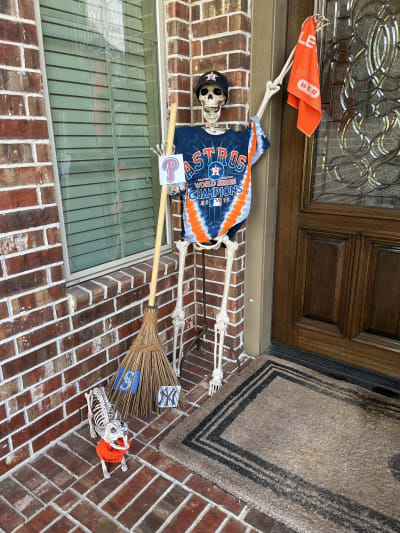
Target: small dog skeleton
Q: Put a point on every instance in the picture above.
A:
(107, 423)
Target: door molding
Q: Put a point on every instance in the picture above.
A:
(268, 55)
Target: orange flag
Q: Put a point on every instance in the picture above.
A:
(304, 90)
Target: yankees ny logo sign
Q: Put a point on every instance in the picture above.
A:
(168, 396)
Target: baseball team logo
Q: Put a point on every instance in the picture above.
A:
(215, 170)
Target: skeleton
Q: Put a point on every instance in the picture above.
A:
(106, 423)
(212, 99)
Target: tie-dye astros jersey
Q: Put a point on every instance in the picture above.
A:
(218, 178)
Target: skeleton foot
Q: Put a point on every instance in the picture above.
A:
(106, 473)
(124, 466)
(215, 382)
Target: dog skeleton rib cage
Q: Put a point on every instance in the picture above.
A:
(217, 192)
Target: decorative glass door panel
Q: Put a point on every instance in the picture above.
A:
(357, 146)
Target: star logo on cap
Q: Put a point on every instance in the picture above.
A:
(212, 76)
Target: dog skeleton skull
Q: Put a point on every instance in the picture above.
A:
(211, 99)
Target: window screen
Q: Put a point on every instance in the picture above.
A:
(101, 65)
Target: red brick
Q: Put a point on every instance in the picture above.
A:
(92, 314)
(32, 58)
(28, 218)
(12, 424)
(12, 104)
(178, 10)
(239, 22)
(26, 9)
(11, 244)
(55, 432)
(36, 483)
(80, 337)
(226, 43)
(50, 402)
(178, 64)
(164, 508)
(201, 65)
(12, 80)
(40, 521)
(32, 260)
(43, 152)
(17, 496)
(233, 526)
(48, 194)
(9, 518)
(36, 106)
(210, 521)
(222, 7)
(23, 129)
(95, 377)
(210, 27)
(238, 60)
(178, 47)
(84, 367)
(3, 310)
(161, 462)
(25, 322)
(10, 55)
(180, 83)
(94, 346)
(185, 518)
(9, 389)
(18, 198)
(214, 494)
(103, 489)
(69, 460)
(62, 525)
(15, 153)
(66, 500)
(38, 298)
(93, 520)
(41, 335)
(178, 28)
(12, 460)
(8, 7)
(37, 427)
(18, 32)
(143, 502)
(128, 491)
(16, 177)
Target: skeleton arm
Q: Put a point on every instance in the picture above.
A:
(272, 87)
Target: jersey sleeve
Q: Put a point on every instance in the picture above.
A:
(258, 141)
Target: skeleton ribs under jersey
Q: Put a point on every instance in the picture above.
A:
(218, 178)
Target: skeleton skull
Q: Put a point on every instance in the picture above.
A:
(212, 99)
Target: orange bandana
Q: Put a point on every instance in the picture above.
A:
(304, 90)
(109, 454)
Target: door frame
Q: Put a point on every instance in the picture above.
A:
(268, 55)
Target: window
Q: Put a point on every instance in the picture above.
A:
(102, 77)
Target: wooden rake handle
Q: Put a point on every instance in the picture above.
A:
(161, 212)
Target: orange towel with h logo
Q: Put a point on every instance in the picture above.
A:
(304, 90)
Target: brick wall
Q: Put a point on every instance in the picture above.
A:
(58, 342)
(206, 35)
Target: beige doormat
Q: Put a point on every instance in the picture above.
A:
(317, 454)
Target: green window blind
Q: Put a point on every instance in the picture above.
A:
(101, 65)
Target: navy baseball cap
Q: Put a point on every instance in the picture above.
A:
(212, 77)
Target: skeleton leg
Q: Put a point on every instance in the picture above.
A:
(222, 320)
(89, 399)
(106, 473)
(124, 466)
(178, 315)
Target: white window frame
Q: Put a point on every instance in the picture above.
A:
(73, 278)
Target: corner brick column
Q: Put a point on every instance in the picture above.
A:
(218, 34)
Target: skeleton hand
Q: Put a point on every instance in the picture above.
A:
(273, 87)
(161, 149)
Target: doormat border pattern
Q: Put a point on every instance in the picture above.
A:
(206, 439)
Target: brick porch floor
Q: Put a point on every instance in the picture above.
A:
(64, 490)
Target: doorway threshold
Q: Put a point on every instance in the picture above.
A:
(372, 381)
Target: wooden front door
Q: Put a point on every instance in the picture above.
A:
(337, 270)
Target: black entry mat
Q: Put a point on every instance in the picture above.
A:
(364, 378)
